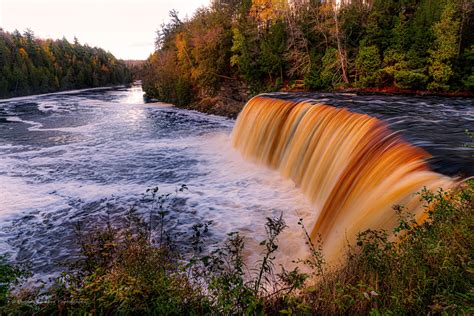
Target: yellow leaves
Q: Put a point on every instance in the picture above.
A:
(268, 10)
(237, 46)
(196, 72)
(154, 58)
(181, 48)
(327, 8)
(234, 60)
(45, 48)
(23, 54)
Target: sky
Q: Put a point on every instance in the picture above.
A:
(126, 28)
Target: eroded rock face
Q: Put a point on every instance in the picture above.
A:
(228, 101)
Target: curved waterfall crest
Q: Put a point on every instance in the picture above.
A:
(351, 166)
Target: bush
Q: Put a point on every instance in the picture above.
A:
(9, 276)
(410, 79)
(468, 80)
(427, 271)
(139, 269)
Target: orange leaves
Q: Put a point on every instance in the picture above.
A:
(181, 49)
(23, 54)
(268, 10)
(104, 68)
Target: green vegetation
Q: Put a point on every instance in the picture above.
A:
(9, 277)
(138, 268)
(29, 65)
(243, 47)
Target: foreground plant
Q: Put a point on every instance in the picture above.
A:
(139, 269)
(428, 270)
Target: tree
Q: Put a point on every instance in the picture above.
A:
(32, 65)
(272, 48)
(368, 65)
(265, 44)
(445, 48)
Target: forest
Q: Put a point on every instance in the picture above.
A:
(253, 46)
(343, 204)
(29, 65)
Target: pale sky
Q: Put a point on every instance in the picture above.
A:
(126, 28)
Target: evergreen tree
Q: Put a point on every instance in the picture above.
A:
(31, 65)
(445, 48)
(314, 44)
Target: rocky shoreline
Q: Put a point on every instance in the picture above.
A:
(231, 99)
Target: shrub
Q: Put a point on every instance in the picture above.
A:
(468, 79)
(410, 79)
(427, 271)
(139, 269)
(9, 275)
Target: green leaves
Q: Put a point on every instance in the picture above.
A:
(30, 65)
(368, 66)
(9, 275)
(445, 48)
(427, 269)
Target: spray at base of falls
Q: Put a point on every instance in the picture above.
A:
(351, 166)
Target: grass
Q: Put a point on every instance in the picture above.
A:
(138, 268)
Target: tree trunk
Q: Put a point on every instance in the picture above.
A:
(340, 49)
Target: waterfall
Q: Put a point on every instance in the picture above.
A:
(351, 166)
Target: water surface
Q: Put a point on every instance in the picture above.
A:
(67, 158)
(437, 124)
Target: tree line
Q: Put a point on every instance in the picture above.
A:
(320, 44)
(29, 65)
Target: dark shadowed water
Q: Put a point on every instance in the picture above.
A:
(437, 124)
(67, 158)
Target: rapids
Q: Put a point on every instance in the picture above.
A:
(68, 157)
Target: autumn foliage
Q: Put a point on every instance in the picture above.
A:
(266, 45)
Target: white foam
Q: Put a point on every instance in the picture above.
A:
(17, 196)
(247, 194)
(34, 125)
(237, 195)
(10, 146)
(48, 106)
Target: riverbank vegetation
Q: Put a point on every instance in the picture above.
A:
(234, 49)
(139, 268)
(29, 65)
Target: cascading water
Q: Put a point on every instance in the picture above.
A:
(350, 166)
(84, 156)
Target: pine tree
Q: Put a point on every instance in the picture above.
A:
(445, 48)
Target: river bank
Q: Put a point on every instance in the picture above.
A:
(398, 91)
(230, 104)
(60, 92)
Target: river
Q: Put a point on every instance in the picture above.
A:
(69, 157)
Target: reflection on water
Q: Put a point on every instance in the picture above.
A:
(93, 151)
(134, 95)
(68, 157)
